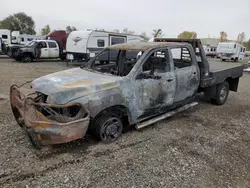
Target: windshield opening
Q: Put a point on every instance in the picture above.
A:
(115, 62)
(30, 43)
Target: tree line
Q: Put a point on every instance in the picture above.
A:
(26, 25)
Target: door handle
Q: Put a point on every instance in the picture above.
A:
(170, 79)
(45, 49)
(56, 49)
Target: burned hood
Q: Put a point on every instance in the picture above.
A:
(68, 85)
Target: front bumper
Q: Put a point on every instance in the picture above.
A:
(44, 123)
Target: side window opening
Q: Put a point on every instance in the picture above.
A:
(4, 36)
(181, 57)
(43, 45)
(52, 45)
(117, 40)
(158, 62)
(100, 43)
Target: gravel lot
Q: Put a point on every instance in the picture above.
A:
(207, 146)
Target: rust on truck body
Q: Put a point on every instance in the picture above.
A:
(89, 92)
(43, 124)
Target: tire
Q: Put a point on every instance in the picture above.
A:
(63, 57)
(222, 91)
(107, 128)
(223, 60)
(236, 59)
(27, 58)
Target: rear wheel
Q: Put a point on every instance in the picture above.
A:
(222, 91)
(236, 59)
(107, 128)
(223, 60)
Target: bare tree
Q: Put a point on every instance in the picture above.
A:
(144, 36)
(223, 36)
(157, 33)
(241, 37)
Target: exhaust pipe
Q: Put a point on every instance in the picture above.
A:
(164, 116)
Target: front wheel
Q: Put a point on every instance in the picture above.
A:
(222, 91)
(27, 58)
(107, 128)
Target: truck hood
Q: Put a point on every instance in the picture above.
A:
(68, 85)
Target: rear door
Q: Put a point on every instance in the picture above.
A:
(44, 49)
(53, 49)
(186, 72)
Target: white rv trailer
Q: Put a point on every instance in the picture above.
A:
(82, 45)
(230, 51)
(210, 50)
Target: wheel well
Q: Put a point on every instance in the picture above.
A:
(233, 83)
(120, 110)
(27, 53)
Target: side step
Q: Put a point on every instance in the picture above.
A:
(164, 116)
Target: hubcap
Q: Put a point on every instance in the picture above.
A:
(223, 93)
(111, 129)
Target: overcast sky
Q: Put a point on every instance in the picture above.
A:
(206, 17)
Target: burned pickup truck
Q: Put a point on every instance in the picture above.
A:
(105, 99)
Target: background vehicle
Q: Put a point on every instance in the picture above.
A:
(210, 51)
(230, 51)
(82, 45)
(38, 49)
(13, 40)
(127, 91)
(60, 36)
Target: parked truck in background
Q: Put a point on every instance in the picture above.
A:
(106, 98)
(39, 49)
(231, 51)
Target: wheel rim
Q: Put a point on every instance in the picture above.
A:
(111, 129)
(223, 93)
(27, 59)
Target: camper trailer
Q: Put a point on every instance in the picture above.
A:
(82, 45)
(230, 51)
(23, 39)
(210, 50)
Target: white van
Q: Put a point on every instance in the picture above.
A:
(82, 45)
(230, 51)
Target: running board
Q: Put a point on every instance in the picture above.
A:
(164, 116)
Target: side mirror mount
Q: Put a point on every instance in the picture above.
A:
(140, 76)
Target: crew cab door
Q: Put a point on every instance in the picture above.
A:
(44, 49)
(53, 49)
(186, 72)
(155, 83)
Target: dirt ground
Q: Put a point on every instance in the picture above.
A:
(207, 146)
